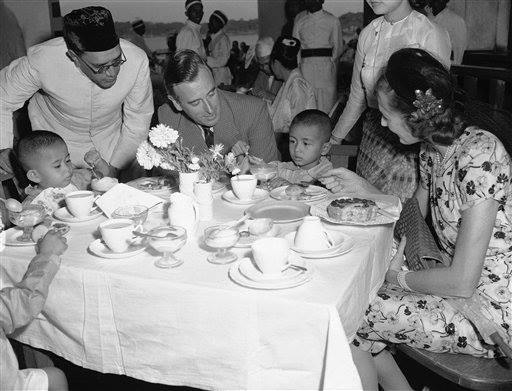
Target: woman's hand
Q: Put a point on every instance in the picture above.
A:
(396, 263)
(342, 179)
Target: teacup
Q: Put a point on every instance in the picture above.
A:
(79, 203)
(117, 234)
(271, 255)
(311, 235)
(244, 186)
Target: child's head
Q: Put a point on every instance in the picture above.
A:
(310, 132)
(45, 159)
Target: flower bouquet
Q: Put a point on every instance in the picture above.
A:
(164, 148)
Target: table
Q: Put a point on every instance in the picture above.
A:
(193, 326)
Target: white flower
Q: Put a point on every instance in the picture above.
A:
(145, 155)
(161, 136)
(236, 171)
(166, 166)
(230, 158)
(216, 149)
(194, 166)
(195, 160)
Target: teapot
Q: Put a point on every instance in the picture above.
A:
(183, 211)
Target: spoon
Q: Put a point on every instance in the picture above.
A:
(143, 235)
(234, 224)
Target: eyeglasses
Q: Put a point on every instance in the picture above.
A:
(104, 68)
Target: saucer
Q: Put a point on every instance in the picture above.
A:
(279, 211)
(12, 235)
(237, 277)
(64, 215)
(100, 249)
(248, 269)
(259, 195)
(343, 244)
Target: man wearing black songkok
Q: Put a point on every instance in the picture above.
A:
(90, 87)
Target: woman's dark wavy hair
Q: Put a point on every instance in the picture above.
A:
(286, 50)
(411, 69)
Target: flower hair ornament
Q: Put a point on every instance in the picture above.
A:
(427, 104)
(289, 42)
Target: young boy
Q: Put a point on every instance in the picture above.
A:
(18, 306)
(309, 141)
(45, 159)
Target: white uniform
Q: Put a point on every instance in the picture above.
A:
(320, 30)
(219, 51)
(189, 37)
(456, 27)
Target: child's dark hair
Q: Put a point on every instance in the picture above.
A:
(316, 118)
(31, 144)
(286, 50)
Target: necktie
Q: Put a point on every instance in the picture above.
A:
(208, 136)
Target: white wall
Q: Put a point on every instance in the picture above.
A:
(33, 18)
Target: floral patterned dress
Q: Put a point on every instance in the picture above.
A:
(476, 167)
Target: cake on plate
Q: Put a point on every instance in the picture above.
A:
(352, 209)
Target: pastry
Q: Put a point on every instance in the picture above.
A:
(352, 209)
(293, 191)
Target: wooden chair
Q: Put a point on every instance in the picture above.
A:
(486, 84)
(473, 373)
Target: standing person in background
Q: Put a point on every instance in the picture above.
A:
(291, 9)
(136, 37)
(219, 49)
(319, 33)
(295, 95)
(189, 36)
(266, 86)
(382, 161)
(438, 12)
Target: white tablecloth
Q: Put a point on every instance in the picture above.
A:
(193, 326)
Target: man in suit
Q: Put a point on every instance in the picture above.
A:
(205, 115)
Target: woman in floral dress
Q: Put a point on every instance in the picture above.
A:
(466, 186)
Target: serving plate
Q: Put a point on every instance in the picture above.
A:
(279, 211)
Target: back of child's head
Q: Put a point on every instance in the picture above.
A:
(30, 147)
(314, 119)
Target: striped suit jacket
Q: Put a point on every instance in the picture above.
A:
(242, 117)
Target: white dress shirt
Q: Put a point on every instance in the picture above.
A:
(376, 43)
(190, 37)
(65, 101)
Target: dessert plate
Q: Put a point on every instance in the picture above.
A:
(311, 193)
(283, 283)
(64, 215)
(259, 195)
(279, 211)
(12, 235)
(100, 249)
(389, 208)
(158, 186)
(343, 244)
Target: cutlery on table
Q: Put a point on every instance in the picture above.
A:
(167, 235)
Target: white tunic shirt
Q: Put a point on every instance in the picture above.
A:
(65, 101)
(189, 37)
(219, 51)
(376, 43)
(456, 27)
